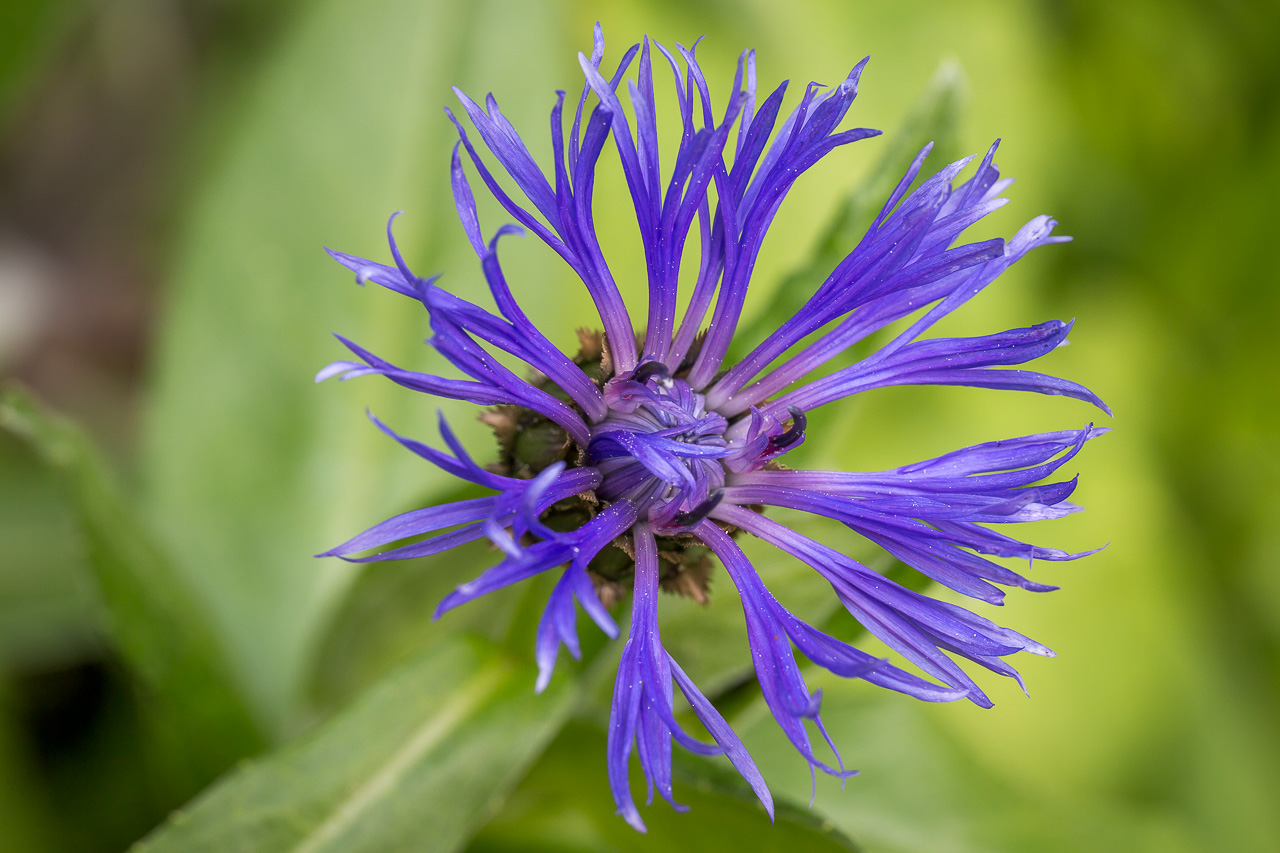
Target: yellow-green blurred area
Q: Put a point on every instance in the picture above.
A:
(169, 173)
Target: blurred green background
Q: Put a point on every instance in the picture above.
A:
(169, 171)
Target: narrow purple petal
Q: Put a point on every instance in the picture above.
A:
(556, 627)
(465, 202)
(781, 683)
(723, 735)
(414, 523)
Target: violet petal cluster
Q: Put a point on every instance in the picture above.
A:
(669, 443)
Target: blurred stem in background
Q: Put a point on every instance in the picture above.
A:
(122, 127)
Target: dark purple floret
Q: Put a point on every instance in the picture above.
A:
(641, 460)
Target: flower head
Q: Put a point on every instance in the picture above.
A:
(642, 459)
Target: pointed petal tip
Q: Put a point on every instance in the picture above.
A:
(855, 74)
(632, 817)
(345, 556)
(446, 604)
(333, 369)
(979, 698)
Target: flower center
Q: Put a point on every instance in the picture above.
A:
(660, 447)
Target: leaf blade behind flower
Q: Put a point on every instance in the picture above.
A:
(249, 468)
(418, 762)
(160, 629)
(553, 811)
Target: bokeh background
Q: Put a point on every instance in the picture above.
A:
(169, 171)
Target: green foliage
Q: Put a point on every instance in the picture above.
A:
(241, 473)
(158, 626)
(417, 763)
(251, 469)
(553, 811)
(47, 616)
(920, 790)
(1148, 129)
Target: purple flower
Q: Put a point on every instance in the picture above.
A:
(647, 453)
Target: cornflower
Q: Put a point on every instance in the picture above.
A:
(635, 461)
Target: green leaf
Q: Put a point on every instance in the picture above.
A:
(564, 805)
(251, 468)
(386, 619)
(418, 763)
(160, 629)
(48, 613)
(717, 776)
